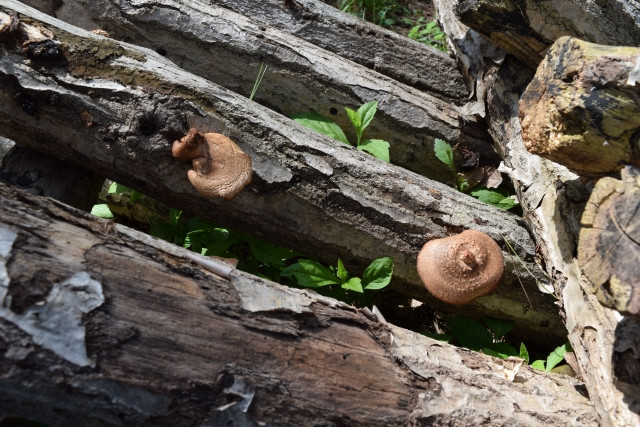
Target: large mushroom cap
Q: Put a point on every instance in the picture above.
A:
(461, 268)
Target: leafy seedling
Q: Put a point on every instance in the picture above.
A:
(311, 274)
(555, 357)
(444, 153)
(360, 119)
(102, 210)
(428, 33)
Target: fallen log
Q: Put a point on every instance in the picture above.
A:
(106, 325)
(526, 29)
(384, 51)
(227, 48)
(599, 339)
(582, 108)
(309, 193)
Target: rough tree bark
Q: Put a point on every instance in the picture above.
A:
(227, 48)
(553, 198)
(134, 331)
(309, 193)
(527, 28)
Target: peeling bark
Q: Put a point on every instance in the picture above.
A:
(146, 334)
(309, 192)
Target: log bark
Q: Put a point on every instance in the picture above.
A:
(372, 46)
(227, 48)
(553, 200)
(526, 28)
(582, 108)
(309, 193)
(103, 325)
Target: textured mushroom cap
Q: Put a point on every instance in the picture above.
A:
(220, 167)
(461, 268)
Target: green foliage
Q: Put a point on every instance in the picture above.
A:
(311, 274)
(102, 210)
(496, 197)
(256, 83)
(428, 33)
(555, 357)
(360, 119)
(489, 338)
(321, 124)
(380, 12)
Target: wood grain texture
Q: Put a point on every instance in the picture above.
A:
(228, 48)
(170, 343)
(308, 193)
(582, 108)
(526, 28)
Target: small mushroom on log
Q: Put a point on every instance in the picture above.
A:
(458, 269)
(582, 108)
(609, 244)
(220, 167)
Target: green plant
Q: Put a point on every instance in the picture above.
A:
(496, 197)
(360, 119)
(428, 33)
(333, 281)
(489, 337)
(256, 83)
(380, 12)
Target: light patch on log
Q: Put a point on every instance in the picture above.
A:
(579, 110)
(609, 246)
(55, 323)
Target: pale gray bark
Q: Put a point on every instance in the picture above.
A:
(527, 28)
(605, 343)
(309, 193)
(228, 48)
(103, 325)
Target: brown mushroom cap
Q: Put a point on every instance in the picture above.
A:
(220, 167)
(461, 268)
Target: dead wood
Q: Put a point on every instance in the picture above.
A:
(384, 51)
(228, 48)
(527, 28)
(103, 325)
(582, 108)
(309, 192)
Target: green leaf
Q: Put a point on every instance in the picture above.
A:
(378, 274)
(499, 198)
(310, 274)
(366, 113)
(557, 356)
(268, 253)
(116, 188)
(342, 272)
(524, 353)
(102, 210)
(378, 148)
(321, 124)
(498, 327)
(538, 364)
(354, 284)
(500, 349)
(470, 333)
(443, 152)
(356, 121)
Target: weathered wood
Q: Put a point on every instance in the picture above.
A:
(582, 108)
(384, 51)
(106, 325)
(553, 200)
(609, 245)
(47, 176)
(309, 192)
(227, 48)
(526, 28)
